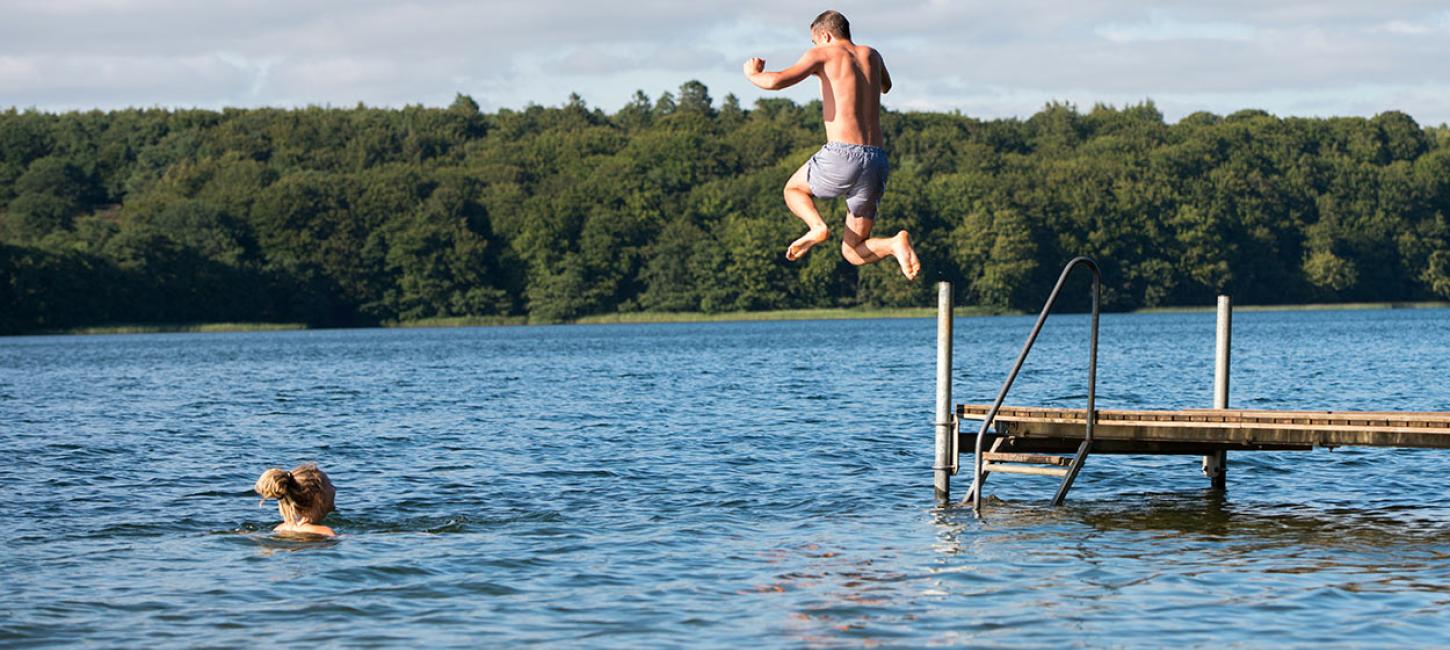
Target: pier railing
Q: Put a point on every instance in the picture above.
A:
(977, 475)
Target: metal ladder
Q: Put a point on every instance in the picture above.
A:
(1065, 466)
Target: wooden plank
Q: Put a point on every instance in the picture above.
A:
(1239, 426)
(1135, 447)
(1039, 459)
(1310, 417)
(1024, 469)
(1185, 432)
(1414, 421)
(1242, 414)
(1228, 427)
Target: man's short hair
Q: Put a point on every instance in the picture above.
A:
(833, 23)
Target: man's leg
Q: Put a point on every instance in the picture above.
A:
(798, 198)
(860, 248)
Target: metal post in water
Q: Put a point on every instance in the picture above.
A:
(944, 430)
(1215, 466)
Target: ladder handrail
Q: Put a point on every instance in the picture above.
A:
(1022, 357)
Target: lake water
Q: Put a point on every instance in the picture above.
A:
(713, 485)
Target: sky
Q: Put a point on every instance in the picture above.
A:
(987, 59)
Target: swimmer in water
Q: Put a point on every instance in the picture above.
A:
(304, 496)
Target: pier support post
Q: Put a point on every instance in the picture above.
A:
(1215, 466)
(945, 432)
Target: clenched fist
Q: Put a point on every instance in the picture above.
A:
(754, 66)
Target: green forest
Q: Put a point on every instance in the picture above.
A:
(364, 216)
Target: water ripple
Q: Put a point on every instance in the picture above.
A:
(761, 484)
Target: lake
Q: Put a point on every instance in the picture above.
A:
(762, 484)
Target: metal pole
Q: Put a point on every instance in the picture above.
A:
(1215, 466)
(1092, 413)
(944, 430)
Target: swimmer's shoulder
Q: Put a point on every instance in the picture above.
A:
(319, 529)
(304, 529)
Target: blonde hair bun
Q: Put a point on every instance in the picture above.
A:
(303, 495)
(274, 484)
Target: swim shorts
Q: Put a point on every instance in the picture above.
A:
(856, 171)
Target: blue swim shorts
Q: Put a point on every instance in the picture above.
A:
(856, 171)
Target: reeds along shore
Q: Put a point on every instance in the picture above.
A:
(697, 317)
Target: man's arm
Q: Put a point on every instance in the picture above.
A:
(805, 67)
(885, 76)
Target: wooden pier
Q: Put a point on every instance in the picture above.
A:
(1051, 441)
(1204, 431)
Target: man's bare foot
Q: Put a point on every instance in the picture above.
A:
(812, 237)
(905, 255)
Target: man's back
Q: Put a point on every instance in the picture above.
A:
(851, 84)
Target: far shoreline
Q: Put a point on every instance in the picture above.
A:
(645, 318)
(1325, 306)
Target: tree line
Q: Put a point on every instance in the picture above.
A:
(359, 216)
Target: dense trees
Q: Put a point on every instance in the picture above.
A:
(363, 215)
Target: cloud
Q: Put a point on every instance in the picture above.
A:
(605, 60)
(1161, 28)
(1435, 25)
(1403, 27)
(1319, 57)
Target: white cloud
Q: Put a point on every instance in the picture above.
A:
(1163, 27)
(1403, 27)
(987, 58)
(1431, 25)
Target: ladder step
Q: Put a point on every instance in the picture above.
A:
(1024, 469)
(1035, 459)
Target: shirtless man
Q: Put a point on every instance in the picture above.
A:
(853, 78)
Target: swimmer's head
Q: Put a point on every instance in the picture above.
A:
(304, 495)
(833, 23)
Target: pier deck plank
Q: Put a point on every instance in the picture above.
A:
(1227, 428)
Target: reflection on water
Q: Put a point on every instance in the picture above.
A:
(683, 485)
(1159, 563)
(273, 543)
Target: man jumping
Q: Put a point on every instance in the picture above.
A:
(852, 163)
